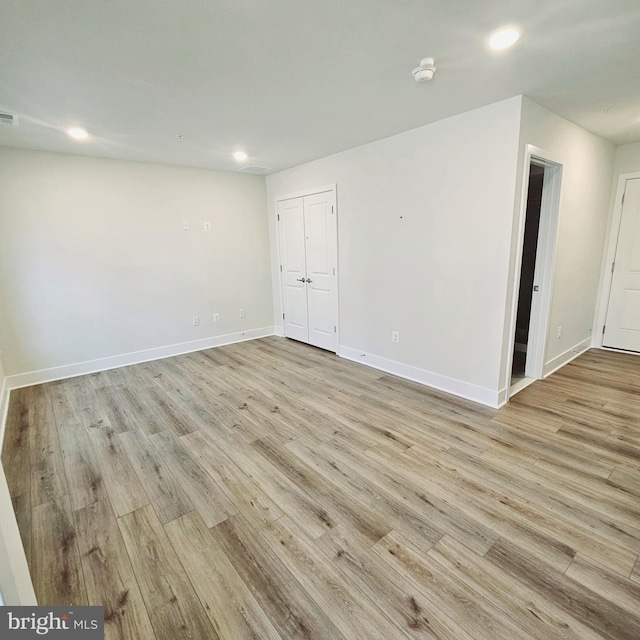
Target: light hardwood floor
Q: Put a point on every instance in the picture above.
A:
(269, 490)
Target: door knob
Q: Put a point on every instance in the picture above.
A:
(308, 280)
(300, 280)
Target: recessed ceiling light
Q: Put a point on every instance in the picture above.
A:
(240, 156)
(504, 38)
(78, 133)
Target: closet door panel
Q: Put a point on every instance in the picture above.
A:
(321, 259)
(294, 268)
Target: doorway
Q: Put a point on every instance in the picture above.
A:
(527, 272)
(538, 230)
(308, 249)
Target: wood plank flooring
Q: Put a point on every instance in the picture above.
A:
(269, 490)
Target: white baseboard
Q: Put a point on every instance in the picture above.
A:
(278, 331)
(135, 357)
(567, 356)
(503, 397)
(482, 395)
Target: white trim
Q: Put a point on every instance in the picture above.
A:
(135, 357)
(564, 358)
(15, 580)
(4, 409)
(278, 331)
(545, 262)
(610, 256)
(544, 267)
(482, 395)
(306, 192)
(503, 397)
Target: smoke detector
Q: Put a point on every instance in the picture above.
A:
(425, 71)
(254, 169)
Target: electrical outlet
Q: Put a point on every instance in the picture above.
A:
(242, 313)
(196, 321)
(185, 225)
(559, 330)
(207, 225)
(395, 336)
(216, 317)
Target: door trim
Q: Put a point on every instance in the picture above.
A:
(545, 263)
(306, 192)
(609, 258)
(301, 194)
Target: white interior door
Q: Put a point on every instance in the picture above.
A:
(321, 252)
(294, 268)
(309, 256)
(622, 327)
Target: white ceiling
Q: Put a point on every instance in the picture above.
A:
(294, 80)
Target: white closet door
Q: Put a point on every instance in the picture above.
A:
(321, 253)
(309, 260)
(622, 328)
(294, 269)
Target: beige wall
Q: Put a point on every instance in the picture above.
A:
(93, 261)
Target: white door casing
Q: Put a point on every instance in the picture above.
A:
(309, 256)
(622, 326)
(544, 268)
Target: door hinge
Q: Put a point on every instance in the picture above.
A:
(331, 208)
(603, 328)
(283, 316)
(278, 217)
(623, 195)
(334, 271)
(613, 266)
(335, 329)
(280, 267)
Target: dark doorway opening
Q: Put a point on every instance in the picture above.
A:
(527, 271)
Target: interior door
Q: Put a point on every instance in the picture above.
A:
(294, 268)
(622, 327)
(309, 255)
(321, 253)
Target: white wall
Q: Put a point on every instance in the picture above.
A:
(424, 225)
(586, 186)
(93, 261)
(627, 159)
